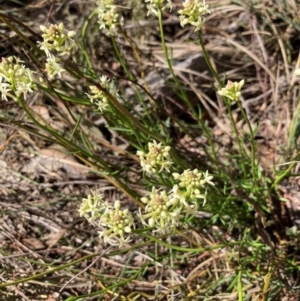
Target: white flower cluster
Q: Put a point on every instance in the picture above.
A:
(93, 206)
(161, 212)
(164, 209)
(108, 18)
(158, 5)
(193, 13)
(15, 78)
(232, 90)
(56, 38)
(192, 185)
(53, 67)
(116, 222)
(156, 159)
(98, 97)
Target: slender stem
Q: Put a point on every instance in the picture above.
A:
(169, 239)
(78, 152)
(237, 136)
(205, 55)
(49, 271)
(170, 66)
(240, 286)
(121, 59)
(253, 165)
(284, 174)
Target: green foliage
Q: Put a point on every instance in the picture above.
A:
(210, 202)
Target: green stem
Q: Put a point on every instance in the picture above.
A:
(170, 66)
(83, 38)
(78, 152)
(37, 276)
(240, 286)
(237, 136)
(205, 55)
(284, 174)
(253, 164)
(121, 59)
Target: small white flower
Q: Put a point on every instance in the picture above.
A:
(5, 88)
(23, 87)
(102, 105)
(206, 179)
(98, 97)
(93, 206)
(46, 46)
(53, 67)
(183, 199)
(104, 82)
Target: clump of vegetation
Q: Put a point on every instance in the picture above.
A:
(200, 212)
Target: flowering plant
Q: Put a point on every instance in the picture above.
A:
(15, 78)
